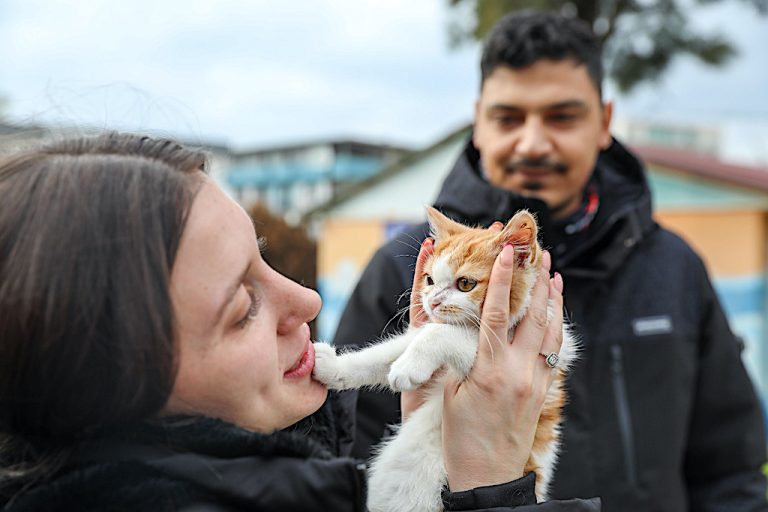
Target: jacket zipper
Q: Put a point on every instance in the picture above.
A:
(622, 409)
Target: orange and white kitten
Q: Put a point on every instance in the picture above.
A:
(408, 473)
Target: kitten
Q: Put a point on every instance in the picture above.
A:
(408, 473)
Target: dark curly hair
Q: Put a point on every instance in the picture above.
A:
(523, 38)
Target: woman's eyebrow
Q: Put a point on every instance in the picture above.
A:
(230, 293)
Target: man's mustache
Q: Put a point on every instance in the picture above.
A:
(535, 163)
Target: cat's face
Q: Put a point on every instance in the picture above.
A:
(456, 275)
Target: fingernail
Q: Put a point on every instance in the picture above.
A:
(507, 257)
(546, 261)
(559, 285)
(427, 242)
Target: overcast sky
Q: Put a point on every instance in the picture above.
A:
(253, 73)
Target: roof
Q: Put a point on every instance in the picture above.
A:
(704, 166)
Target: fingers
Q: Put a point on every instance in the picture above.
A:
(417, 315)
(496, 226)
(495, 315)
(530, 332)
(553, 339)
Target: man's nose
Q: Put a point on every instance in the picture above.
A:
(534, 140)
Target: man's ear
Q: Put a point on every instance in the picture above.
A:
(441, 226)
(605, 139)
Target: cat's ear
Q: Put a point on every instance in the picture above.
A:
(522, 231)
(441, 226)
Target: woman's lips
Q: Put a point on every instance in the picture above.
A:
(304, 365)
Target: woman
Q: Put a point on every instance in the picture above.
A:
(151, 360)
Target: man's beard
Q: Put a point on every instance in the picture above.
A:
(532, 186)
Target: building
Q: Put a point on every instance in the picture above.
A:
(291, 180)
(720, 209)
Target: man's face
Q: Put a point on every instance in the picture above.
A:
(539, 130)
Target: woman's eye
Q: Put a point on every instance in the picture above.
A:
(430, 282)
(251, 313)
(465, 284)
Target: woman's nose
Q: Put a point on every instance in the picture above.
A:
(299, 305)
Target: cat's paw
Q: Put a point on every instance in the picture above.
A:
(327, 368)
(406, 375)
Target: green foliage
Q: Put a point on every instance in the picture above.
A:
(640, 38)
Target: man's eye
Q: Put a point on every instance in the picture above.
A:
(430, 282)
(507, 120)
(562, 118)
(464, 284)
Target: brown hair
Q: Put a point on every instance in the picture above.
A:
(89, 229)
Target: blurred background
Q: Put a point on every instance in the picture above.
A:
(334, 121)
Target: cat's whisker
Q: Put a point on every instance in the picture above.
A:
(406, 294)
(418, 242)
(405, 243)
(398, 317)
(496, 336)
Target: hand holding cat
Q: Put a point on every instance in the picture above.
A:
(489, 419)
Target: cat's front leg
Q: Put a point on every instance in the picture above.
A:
(434, 345)
(368, 366)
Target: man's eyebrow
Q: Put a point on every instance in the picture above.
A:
(505, 107)
(230, 293)
(567, 104)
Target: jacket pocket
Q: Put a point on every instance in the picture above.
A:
(624, 415)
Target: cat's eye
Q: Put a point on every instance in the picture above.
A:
(430, 282)
(465, 284)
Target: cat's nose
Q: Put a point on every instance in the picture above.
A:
(435, 303)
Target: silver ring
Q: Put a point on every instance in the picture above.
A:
(551, 359)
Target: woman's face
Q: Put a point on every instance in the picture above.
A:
(243, 346)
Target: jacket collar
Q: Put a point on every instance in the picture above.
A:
(623, 221)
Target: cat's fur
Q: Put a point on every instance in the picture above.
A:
(408, 473)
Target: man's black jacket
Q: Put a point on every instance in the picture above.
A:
(662, 415)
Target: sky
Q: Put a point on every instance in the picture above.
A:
(255, 73)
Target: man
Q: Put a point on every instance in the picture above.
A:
(662, 415)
